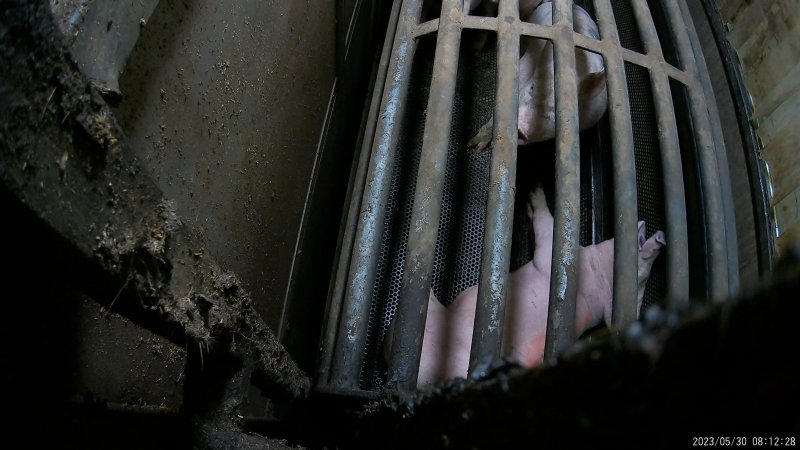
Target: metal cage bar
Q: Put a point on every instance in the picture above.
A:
(722, 162)
(626, 255)
(715, 233)
(406, 346)
(415, 290)
(355, 193)
(358, 296)
(495, 259)
(677, 253)
(566, 216)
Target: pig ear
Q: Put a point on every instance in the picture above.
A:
(594, 82)
(642, 233)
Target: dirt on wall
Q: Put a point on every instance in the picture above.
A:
(64, 157)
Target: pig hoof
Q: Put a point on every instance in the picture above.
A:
(482, 138)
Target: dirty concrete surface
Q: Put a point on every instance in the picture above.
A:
(223, 105)
(66, 162)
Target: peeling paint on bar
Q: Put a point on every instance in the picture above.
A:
(406, 346)
(348, 352)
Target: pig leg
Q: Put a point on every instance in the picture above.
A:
(542, 222)
(448, 338)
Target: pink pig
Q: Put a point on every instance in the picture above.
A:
(448, 330)
(536, 115)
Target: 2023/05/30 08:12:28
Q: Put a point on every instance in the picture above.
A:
(744, 441)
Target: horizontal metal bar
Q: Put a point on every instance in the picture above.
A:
(355, 193)
(351, 338)
(677, 253)
(722, 157)
(715, 232)
(412, 307)
(566, 214)
(650, 61)
(480, 23)
(431, 26)
(626, 255)
(496, 256)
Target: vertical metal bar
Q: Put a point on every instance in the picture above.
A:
(355, 193)
(414, 291)
(358, 298)
(677, 253)
(626, 254)
(713, 205)
(755, 165)
(722, 157)
(566, 214)
(495, 259)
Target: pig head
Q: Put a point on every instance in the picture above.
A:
(448, 330)
(536, 116)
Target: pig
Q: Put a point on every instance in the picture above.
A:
(536, 117)
(448, 330)
(536, 111)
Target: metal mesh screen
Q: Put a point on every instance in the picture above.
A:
(460, 237)
(649, 180)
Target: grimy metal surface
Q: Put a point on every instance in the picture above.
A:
(674, 195)
(406, 348)
(624, 309)
(487, 334)
(721, 155)
(715, 229)
(361, 277)
(406, 345)
(566, 214)
(355, 192)
(744, 111)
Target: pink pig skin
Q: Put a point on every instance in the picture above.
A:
(448, 330)
(536, 116)
(536, 120)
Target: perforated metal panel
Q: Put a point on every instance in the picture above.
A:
(635, 151)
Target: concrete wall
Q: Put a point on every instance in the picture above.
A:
(224, 103)
(231, 109)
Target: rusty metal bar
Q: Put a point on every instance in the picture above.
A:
(495, 259)
(351, 338)
(566, 214)
(412, 306)
(722, 157)
(713, 204)
(355, 193)
(626, 255)
(677, 253)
